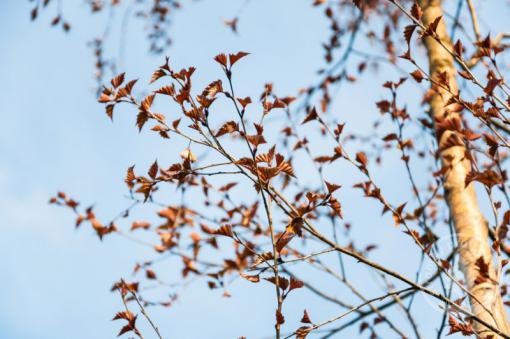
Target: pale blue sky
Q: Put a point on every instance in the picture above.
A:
(55, 281)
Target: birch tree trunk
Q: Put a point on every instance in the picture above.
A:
(470, 225)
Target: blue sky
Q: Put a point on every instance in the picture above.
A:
(55, 280)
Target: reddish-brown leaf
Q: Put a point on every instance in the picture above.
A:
(118, 80)
(153, 170)
(244, 101)
(233, 58)
(141, 119)
(306, 318)
(150, 274)
(228, 128)
(296, 226)
(417, 75)
(130, 177)
(280, 319)
(225, 230)
(332, 187)
(140, 224)
(166, 90)
(416, 11)
(156, 75)
(283, 240)
(312, 115)
(362, 159)
(221, 59)
(295, 283)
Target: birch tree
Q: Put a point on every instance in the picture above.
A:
(240, 179)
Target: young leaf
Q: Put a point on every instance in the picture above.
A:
(233, 58)
(306, 318)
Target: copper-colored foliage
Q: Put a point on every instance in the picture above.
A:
(257, 188)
